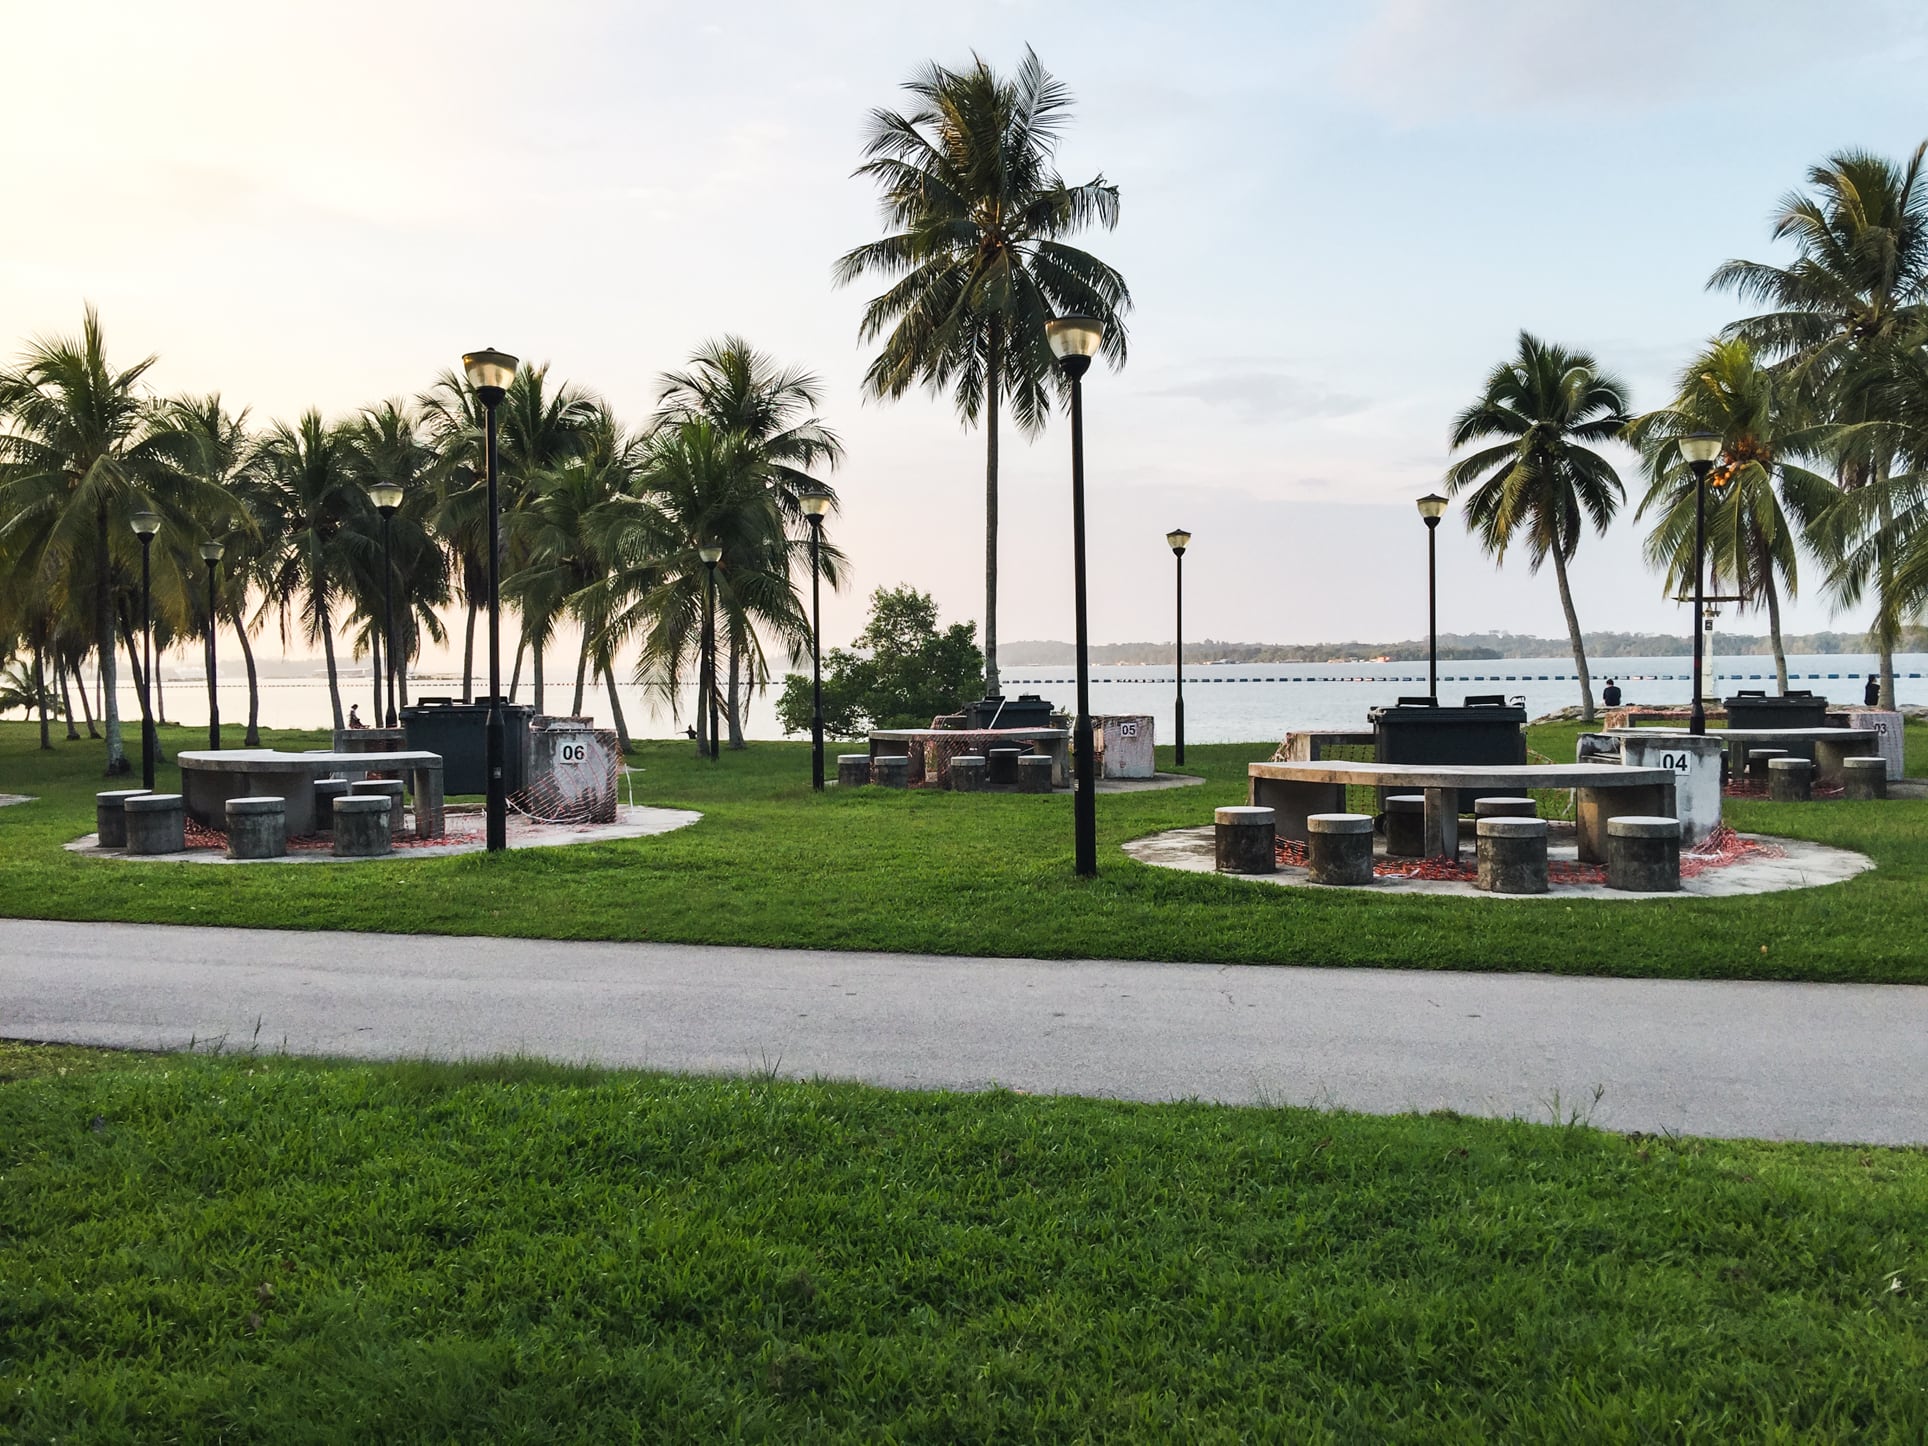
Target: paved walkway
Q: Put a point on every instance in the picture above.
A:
(1777, 1061)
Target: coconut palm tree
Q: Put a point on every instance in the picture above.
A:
(1835, 320)
(81, 452)
(1881, 532)
(385, 445)
(977, 260)
(1541, 481)
(1762, 501)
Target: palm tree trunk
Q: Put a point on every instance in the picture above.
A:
(990, 518)
(582, 671)
(86, 705)
(160, 697)
(734, 730)
(253, 737)
(468, 657)
(66, 698)
(616, 709)
(535, 671)
(1887, 623)
(1573, 633)
(1774, 627)
(141, 690)
(515, 673)
(104, 642)
(40, 696)
(328, 652)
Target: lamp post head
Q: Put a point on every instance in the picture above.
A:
(816, 505)
(490, 373)
(1074, 342)
(711, 555)
(1179, 539)
(211, 552)
(145, 524)
(1698, 450)
(387, 497)
(1432, 507)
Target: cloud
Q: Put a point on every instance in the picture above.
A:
(1264, 395)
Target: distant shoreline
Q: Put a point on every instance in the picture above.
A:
(1453, 648)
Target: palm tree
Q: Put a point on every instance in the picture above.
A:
(385, 445)
(1762, 501)
(1882, 532)
(1542, 480)
(976, 258)
(1837, 315)
(81, 451)
(743, 392)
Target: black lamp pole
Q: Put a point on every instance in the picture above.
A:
(1431, 508)
(388, 497)
(1179, 540)
(211, 554)
(816, 651)
(1074, 340)
(1700, 449)
(147, 665)
(490, 373)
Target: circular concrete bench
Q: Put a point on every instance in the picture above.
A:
(1790, 780)
(1512, 855)
(388, 788)
(890, 770)
(1406, 825)
(1643, 854)
(967, 773)
(1339, 848)
(853, 770)
(156, 823)
(1863, 779)
(1758, 760)
(1034, 773)
(361, 827)
(1001, 769)
(109, 820)
(1505, 808)
(328, 792)
(257, 827)
(1245, 840)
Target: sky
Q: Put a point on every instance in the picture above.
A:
(1335, 221)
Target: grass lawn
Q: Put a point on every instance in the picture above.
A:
(773, 864)
(278, 1250)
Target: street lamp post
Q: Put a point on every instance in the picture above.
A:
(211, 555)
(1698, 450)
(1074, 341)
(1432, 507)
(490, 373)
(145, 525)
(707, 699)
(816, 505)
(1179, 539)
(387, 497)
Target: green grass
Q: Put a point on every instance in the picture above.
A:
(773, 864)
(262, 1249)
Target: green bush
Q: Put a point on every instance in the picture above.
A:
(903, 673)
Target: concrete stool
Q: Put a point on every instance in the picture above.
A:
(1512, 854)
(1759, 758)
(156, 823)
(257, 827)
(853, 770)
(109, 821)
(890, 770)
(1339, 848)
(1245, 840)
(327, 792)
(1034, 773)
(1643, 854)
(1001, 769)
(967, 773)
(1862, 779)
(1406, 825)
(1790, 780)
(388, 788)
(361, 827)
(1505, 808)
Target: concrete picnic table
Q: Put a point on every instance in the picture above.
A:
(1603, 791)
(1823, 747)
(209, 778)
(909, 743)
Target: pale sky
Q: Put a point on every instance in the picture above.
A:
(1334, 222)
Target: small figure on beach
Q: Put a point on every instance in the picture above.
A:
(1871, 695)
(354, 716)
(1610, 695)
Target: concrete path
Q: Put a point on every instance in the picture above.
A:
(1777, 1061)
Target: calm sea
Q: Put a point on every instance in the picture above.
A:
(1224, 703)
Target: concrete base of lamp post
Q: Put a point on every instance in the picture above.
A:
(110, 822)
(1339, 848)
(1512, 855)
(361, 827)
(156, 823)
(1791, 780)
(1864, 779)
(1245, 840)
(257, 827)
(1643, 854)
